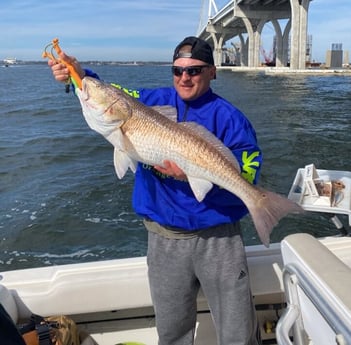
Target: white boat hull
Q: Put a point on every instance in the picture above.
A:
(111, 299)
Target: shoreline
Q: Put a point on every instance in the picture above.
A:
(284, 70)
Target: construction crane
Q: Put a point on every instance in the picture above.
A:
(268, 58)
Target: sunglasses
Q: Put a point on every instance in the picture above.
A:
(190, 70)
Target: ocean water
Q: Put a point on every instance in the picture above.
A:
(60, 200)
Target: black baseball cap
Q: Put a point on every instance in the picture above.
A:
(200, 50)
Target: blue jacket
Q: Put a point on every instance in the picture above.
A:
(171, 202)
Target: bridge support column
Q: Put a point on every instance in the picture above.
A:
(285, 42)
(299, 10)
(217, 51)
(279, 62)
(244, 60)
(218, 35)
(282, 43)
(249, 17)
(254, 31)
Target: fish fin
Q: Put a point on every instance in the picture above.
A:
(203, 132)
(200, 187)
(122, 162)
(116, 137)
(167, 111)
(268, 210)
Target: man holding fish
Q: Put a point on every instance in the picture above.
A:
(190, 189)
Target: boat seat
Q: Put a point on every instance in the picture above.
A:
(9, 303)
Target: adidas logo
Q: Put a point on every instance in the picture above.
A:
(242, 275)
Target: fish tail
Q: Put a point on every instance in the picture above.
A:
(268, 210)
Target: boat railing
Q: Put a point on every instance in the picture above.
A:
(318, 303)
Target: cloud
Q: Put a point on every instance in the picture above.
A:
(134, 29)
(100, 27)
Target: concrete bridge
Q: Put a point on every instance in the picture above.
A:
(245, 19)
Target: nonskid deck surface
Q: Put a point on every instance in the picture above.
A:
(142, 330)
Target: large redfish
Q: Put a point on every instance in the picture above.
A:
(148, 134)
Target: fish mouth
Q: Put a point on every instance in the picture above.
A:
(84, 97)
(87, 105)
(84, 94)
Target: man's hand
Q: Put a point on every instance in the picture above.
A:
(61, 72)
(171, 169)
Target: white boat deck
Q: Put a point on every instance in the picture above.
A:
(111, 299)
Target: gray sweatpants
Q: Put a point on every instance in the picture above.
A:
(214, 260)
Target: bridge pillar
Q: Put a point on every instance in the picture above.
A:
(244, 59)
(254, 17)
(217, 51)
(279, 61)
(282, 43)
(299, 11)
(254, 30)
(218, 35)
(285, 43)
(240, 17)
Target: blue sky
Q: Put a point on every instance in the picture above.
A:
(137, 29)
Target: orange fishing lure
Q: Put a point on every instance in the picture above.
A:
(74, 76)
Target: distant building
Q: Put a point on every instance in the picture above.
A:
(335, 56)
(309, 49)
(346, 62)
